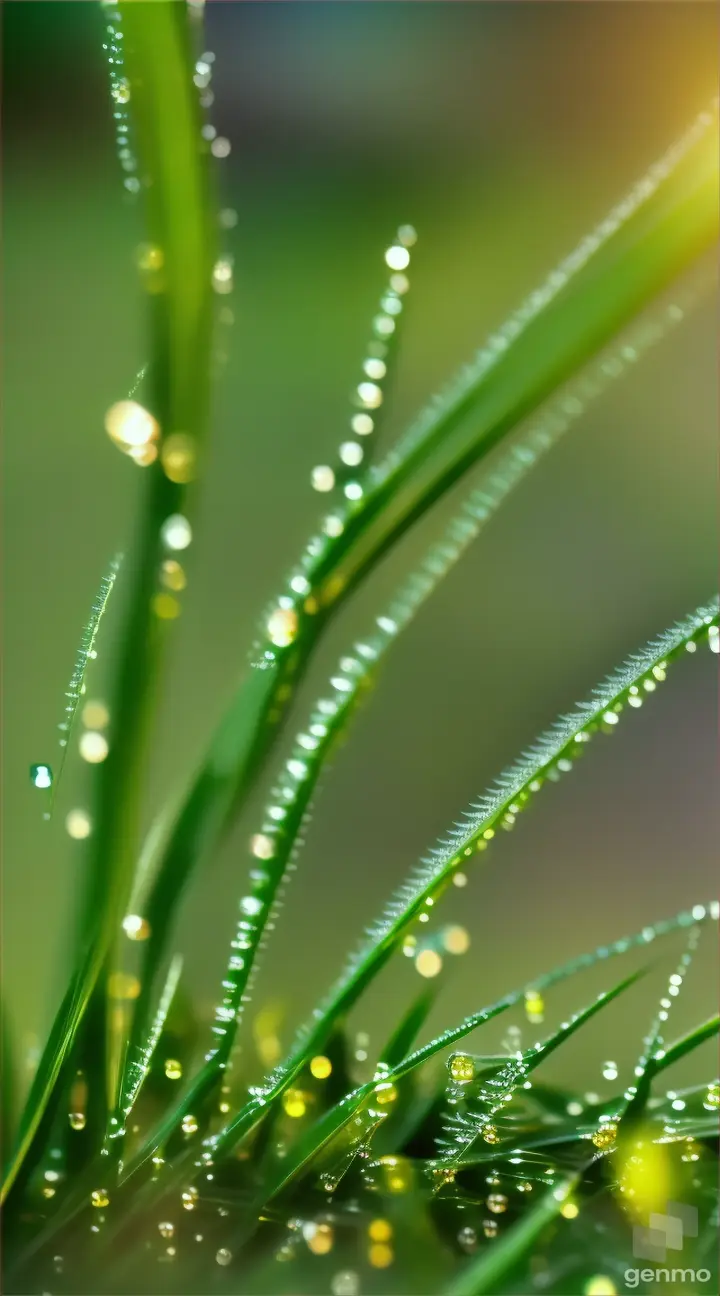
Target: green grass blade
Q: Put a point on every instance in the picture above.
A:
(665, 224)
(408, 1028)
(686, 1045)
(85, 654)
(165, 110)
(139, 1066)
(548, 759)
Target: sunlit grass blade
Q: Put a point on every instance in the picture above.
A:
(666, 222)
(685, 1045)
(165, 110)
(370, 396)
(139, 1067)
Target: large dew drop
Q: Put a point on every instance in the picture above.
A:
(41, 776)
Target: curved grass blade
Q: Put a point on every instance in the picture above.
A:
(408, 1028)
(685, 1045)
(165, 109)
(139, 1067)
(551, 757)
(370, 395)
(275, 846)
(660, 228)
(85, 654)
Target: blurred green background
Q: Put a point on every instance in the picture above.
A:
(502, 131)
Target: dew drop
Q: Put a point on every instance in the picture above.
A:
(604, 1137)
(130, 426)
(177, 457)
(172, 575)
(282, 626)
(351, 453)
(99, 1198)
(41, 776)
(319, 1238)
(223, 1256)
(369, 394)
(322, 478)
(461, 1068)
(345, 1283)
(497, 1203)
(262, 847)
(120, 90)
(175, 532)
(76, 1120)
(397, 257)
(467, 1238)
(135, 927)
(320, 1067)
(189, 1123)
(173, 1069)
(222, 275)
(166, 1229)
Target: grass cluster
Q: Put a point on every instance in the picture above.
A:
(141, 1165)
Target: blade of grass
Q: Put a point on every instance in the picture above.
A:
(166, 112)
(85, 654)
(685, 1045)
(484, 1275)
(408, 1028)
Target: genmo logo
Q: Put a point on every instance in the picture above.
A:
(634, 1276)
(665, 1233)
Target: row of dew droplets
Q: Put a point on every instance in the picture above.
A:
(120, 94)
(369, 394)
(93, 746)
